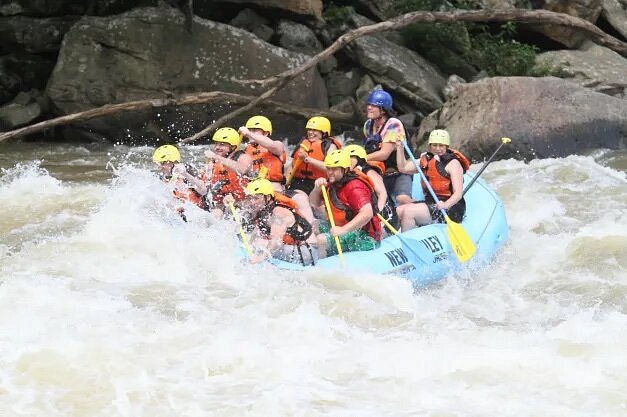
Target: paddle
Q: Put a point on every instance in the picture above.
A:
(241, 230)
(297, 163)
(404, 242)
(327, 205)
(461, 243)
(503, 142)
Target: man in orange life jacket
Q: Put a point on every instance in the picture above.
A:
(385, 205)
(230, 165)
(264, 151)
(444, 168)
(308, 158)
(353, 205)
(381, 132)
(188, 186)
(281, 231)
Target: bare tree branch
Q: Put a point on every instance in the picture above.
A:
(275, 83)
(200, 98)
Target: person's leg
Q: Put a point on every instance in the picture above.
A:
(402, 189)
(322, 245)
(303, 205)
(413, 215)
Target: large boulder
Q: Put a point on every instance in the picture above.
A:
(545, 117)
(305, 8)
(34, 35)
(584, 9)
(615, 12)
(593, 66)
(130, 57)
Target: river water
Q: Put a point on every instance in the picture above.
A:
(111, 306)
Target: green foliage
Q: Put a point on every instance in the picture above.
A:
(336, 15)
(500, 54)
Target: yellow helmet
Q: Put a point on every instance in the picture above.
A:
(227, 135)
(260, 186)
(319, 123)
(357, 151)
(338, 159)
(166, 153)
(440, 136)
(259, 122)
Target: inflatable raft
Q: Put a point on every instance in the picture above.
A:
(424, 254)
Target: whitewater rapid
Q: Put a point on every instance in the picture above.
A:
(111, 306)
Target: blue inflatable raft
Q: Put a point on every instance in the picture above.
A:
(424, 254)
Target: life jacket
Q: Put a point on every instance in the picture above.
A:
(374, 141)
(188, 193)
(389, 209)
(317, 150)
(226, 181)
(342, 213)
(296, 234)
(436, 174)
(263, 157)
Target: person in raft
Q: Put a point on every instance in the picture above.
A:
(279, 229)
(353, 204)
(188, 183)
(228, 166)
(308, 158)
(381, 132)
(444, 168)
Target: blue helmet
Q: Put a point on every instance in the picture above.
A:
(381, 98)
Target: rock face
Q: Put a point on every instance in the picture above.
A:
(585, 9)
(615, 12)
(308, 8)
(545, 117)
(130, 57)
(593, 66)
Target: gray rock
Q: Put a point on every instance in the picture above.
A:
(298, 38)
(34, 35)
(343, 83)
(307, 8)
(545, 117)
(249, 20)
(615, 12)
(585, 9)
(593, 66)
(14, 115)
(130, 57)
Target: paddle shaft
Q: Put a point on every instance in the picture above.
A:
(504, 141)
(241, 230)
(327, 205)
(295, 165)
(422, 176)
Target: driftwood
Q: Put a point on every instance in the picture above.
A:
(275, 83)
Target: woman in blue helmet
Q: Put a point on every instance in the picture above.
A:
(381, 132)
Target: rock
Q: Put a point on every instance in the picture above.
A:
(34, 35)
(249, 20)
(343, 83)
(593, 66)
(129, 57)
(401, 71)
(307, 8)
(452, 83)
(615, 12)
(298, 38)
(585, 9)
(20, 112)
(545, 117)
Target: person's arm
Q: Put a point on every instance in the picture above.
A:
(454, 168)
(274, 146)
(364, 215)
(241, 166)
(282, 218)
(379, 189)
(382, 154)
(315, 197)
(192, 182)
(402, 164)
(320, 164)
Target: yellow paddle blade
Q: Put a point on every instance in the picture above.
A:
(462, 244)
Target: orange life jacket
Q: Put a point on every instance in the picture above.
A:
(436, 174)
(316, 150)
(226, 181)
(188, 194)
(263, 157)
(342, 213)
(296, 234)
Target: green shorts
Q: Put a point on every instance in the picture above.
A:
(354, 241)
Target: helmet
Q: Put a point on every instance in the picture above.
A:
(319, 123)
(338, 159)
(357, 151)
(440, 136)
(227, 135)
(260, 186)
(166, 153)
(380, 98)
(259, 122)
